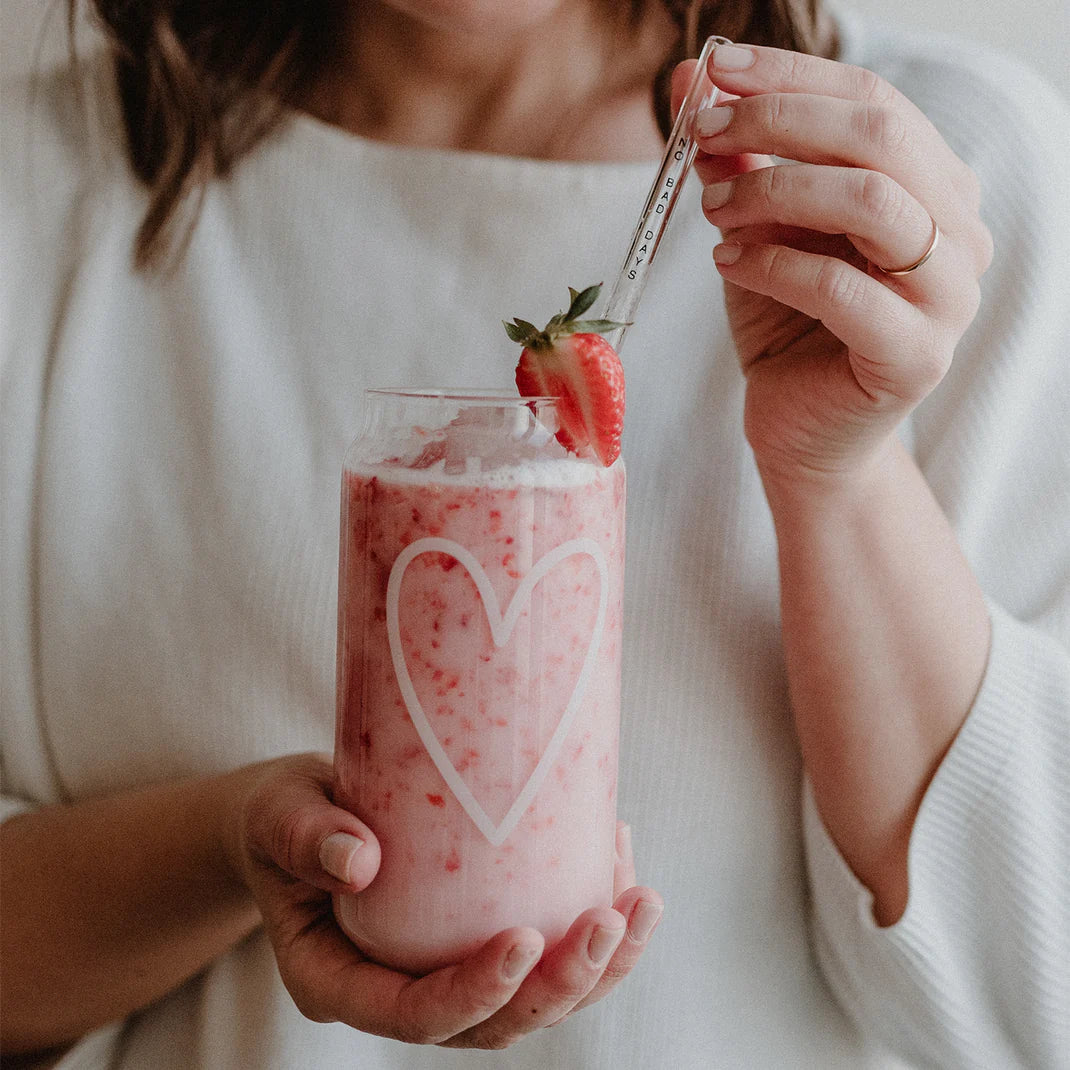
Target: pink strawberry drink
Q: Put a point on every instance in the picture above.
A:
(478, 674)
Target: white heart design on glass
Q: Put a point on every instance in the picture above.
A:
(501, 627)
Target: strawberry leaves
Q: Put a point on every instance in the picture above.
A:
(563, 323)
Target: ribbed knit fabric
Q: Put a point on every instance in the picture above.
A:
(975, 973)
(171, 456)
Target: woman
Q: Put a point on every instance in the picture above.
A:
(847, 583)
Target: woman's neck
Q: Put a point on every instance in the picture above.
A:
(567, 86)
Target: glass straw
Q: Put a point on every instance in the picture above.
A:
(679, 155)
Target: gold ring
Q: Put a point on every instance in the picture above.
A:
(921, 260)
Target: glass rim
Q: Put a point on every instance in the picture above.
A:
(468, 395)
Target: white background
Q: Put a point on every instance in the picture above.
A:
(1037, 31)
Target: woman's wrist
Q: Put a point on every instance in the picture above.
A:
(800, 492)
(233, 792)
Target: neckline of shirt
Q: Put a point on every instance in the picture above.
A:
(301, 129)
(304, 131)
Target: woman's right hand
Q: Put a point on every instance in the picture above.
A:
(295, 849)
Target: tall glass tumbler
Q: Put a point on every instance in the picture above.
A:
(479, 646)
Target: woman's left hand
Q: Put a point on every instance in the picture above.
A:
(835, 349)
(279, 844)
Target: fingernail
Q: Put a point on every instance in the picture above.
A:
(727, 254)
(645, 915)
(717, 195)
(519, 958)
(624, 843)
(603, 943)
(732, 57)
(712, 121)
(337, 852)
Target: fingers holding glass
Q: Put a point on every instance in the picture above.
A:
(598, 952)
(643, 909)
(564, 976)
(624, 860)
(336, 984)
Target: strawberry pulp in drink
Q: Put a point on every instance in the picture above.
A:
(478, 674)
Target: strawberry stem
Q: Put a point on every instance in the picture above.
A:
(562, 323)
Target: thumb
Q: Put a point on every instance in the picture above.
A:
(712, 168)
(293, 825)
(681, 79)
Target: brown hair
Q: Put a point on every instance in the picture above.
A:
(202, 81)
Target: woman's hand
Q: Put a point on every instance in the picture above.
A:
(836, 351)
(290, 834)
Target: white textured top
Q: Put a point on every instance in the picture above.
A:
(171, 457)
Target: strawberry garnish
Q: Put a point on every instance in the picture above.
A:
(571, 361)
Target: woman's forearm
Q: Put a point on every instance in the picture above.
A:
(886, 637)
(111, 903)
